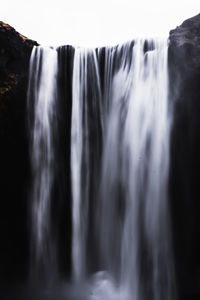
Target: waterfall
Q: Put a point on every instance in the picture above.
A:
(85, 148)
(119, 163)
(41, 108)
(130, 209)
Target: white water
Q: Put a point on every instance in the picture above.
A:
(41, 106)
(132, 227)
(85, 82)
(120, 131)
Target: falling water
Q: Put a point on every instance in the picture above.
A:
(131, 228)
(41, 107)
(85, 148)
(120, 131)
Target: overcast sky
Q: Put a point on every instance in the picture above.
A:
(95, 23)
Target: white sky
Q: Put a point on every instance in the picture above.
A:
(95, 23)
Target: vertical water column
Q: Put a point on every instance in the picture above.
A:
(134, 224)
(42, 126)
(86, 136)
(110, 209)
(146, 232)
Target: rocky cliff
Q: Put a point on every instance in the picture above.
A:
(15, 50)
(185, 45)
(184, 63)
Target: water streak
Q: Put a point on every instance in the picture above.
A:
(41, 106)
(131, 214)
(85, 147)
(120, 136)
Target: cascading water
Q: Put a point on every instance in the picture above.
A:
(120, 130)
(85, 148)
(41, 105)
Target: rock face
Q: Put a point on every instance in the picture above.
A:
(14, 57)
(15, 51)
(185, 45)
(184, 62)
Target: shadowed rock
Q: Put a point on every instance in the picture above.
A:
(15, 51)
(184, 46)
(184, 67)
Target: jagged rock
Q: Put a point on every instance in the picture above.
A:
(184, 47)
(15, 52)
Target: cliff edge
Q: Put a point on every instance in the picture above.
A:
(15, 51)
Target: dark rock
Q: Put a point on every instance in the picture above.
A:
(184, 46)
(15, 50)
(184, 67)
